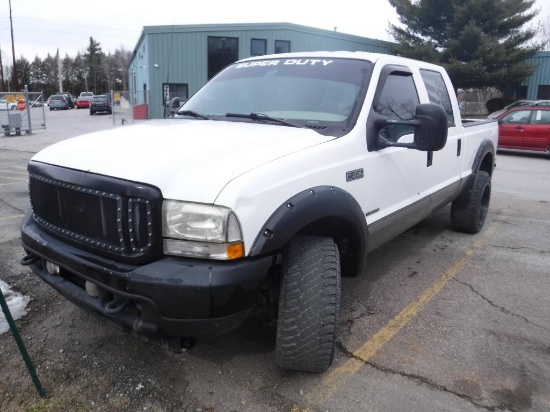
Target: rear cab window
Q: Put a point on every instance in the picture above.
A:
(438, 92)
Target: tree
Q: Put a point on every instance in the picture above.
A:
(123, 58)
(545, 34)
(23, 72)
(93, 58)
(481, 43)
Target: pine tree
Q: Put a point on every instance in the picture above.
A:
(94, 57)
(481, 43)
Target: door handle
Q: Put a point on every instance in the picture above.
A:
(519, 127)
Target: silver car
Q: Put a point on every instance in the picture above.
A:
(58, 101)
(494, 115)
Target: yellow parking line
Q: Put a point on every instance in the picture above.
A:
(13, 183)
(338, 377)
(11, 217)
(12, 178)
(13, 172)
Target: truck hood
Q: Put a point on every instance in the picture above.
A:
(186, 159)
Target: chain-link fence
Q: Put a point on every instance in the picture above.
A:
(131, 106)
(21, 112)
(473, 101)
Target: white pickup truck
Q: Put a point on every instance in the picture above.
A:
(275, 179)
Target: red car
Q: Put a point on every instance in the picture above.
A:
(83, 102)
(525, 128)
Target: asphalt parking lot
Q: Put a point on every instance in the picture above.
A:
(440, 321)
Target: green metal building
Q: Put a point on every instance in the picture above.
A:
(170, 61)
(537, 86)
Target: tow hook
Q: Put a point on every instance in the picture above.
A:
(29, 259)
(114, 306)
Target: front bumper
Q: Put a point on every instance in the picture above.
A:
(173, 297)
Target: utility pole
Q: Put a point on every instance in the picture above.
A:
(3, 85)
(15, 82)
(59, 76)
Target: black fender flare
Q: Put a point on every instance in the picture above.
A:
(310, 206)
(485, 147)
(481, 162)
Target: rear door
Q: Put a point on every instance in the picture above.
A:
(536, 135)
(441, 177)
(409, 183)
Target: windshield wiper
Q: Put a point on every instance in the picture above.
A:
(196, 115)
(261, 117)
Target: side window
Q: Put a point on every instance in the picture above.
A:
(517, 117)
(545, 116)
(541, 117)
(438, 92)
(398, 100)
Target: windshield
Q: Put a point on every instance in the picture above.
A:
(319, 93)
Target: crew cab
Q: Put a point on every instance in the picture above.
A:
(273, 181)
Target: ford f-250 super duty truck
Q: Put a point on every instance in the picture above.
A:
(275, 179)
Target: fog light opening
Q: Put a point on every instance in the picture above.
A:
(52, 268)
(91, 289)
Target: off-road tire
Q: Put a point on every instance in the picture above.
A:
(469, 210)
(309, 305)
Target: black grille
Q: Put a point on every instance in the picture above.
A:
(92, 217)
(140, 223)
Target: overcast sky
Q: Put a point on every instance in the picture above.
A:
(40, 27)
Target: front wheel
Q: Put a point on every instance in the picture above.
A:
(469, 210)
(309, 305)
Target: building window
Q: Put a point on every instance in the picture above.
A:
(543, 92)
(171, 91)
(282, 46)
(222, 51)
(520, 92)
(258, 47)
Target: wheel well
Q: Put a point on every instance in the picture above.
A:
(487, 164)
(346, 237)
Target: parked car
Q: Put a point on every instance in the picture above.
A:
(100, 103)
(519, 103)
(58, 101)
(33, 103)
(70, 99)
(8, 105)
(83, 102)
(37, 102)
(525, 128)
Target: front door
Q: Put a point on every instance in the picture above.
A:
(511, 129)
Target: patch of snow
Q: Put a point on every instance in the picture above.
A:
(17, 303)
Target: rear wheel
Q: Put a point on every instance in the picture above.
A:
(309, 305)
(468, 212)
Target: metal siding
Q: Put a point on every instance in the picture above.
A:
(541, 76)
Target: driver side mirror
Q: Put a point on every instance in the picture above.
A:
(430, 129)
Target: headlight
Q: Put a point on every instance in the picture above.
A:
(202, 231)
